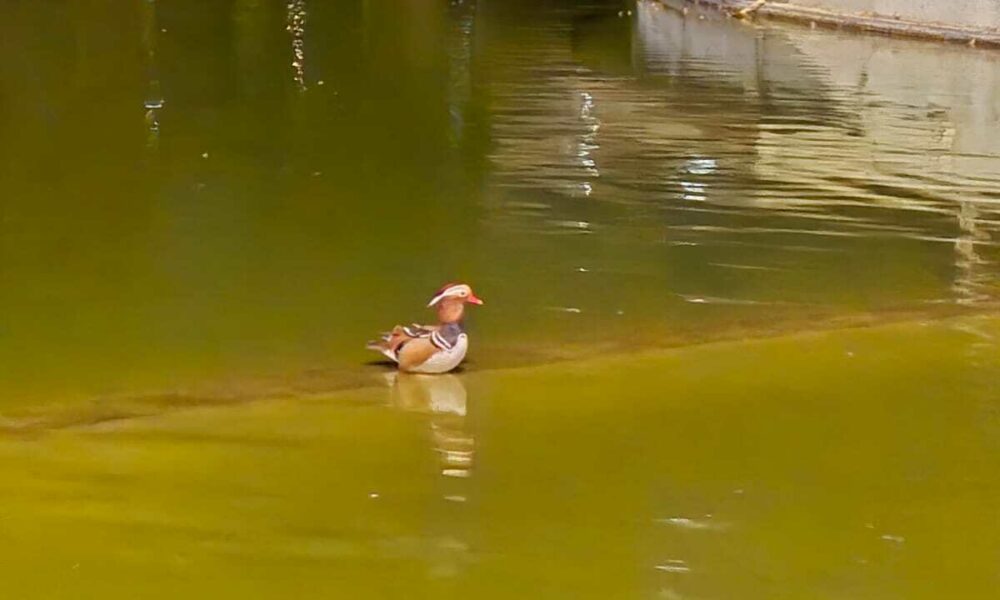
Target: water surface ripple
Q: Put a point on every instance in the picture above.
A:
(607, 178)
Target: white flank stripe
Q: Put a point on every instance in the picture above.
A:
(439, 341)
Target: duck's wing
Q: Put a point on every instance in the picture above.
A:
(441, 351)
(390, 342)
(416, 352)
(415, 330)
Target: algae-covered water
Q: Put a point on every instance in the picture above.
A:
(857, 464)
(739, 338)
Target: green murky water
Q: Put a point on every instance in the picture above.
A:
(836, 465)
(208, 207)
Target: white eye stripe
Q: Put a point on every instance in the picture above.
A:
(461, 290)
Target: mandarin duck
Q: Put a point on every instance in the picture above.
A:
(431, 348)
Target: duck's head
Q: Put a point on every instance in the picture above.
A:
(450, 301)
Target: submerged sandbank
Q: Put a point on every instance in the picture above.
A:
(555, 359)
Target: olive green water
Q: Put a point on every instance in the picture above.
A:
(207, 208)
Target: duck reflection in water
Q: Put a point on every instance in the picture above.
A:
(443, 397)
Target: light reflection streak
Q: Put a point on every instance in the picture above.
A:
(972, 276)
(695, 191)
(673, 566)
(296, 26)
(588, 141)
(460, 66)
(153, 102)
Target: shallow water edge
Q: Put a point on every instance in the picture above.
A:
(321, 383)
